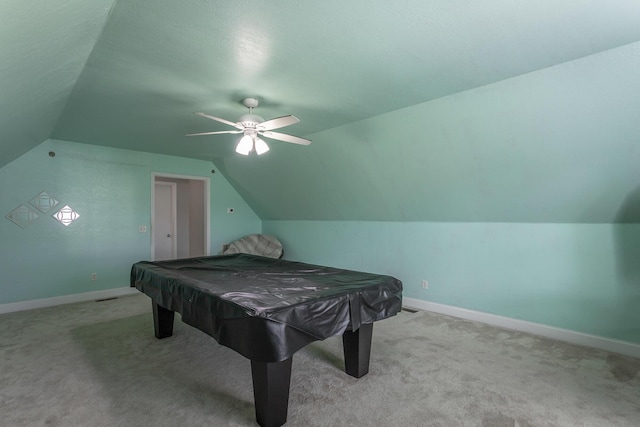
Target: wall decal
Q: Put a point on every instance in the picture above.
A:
(66, 216)
(44, 202)
(23, 216)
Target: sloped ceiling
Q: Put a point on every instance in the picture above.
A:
(419, 111)
(44, 46)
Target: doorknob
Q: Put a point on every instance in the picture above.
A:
(168, 235)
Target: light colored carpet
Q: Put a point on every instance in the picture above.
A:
(98, 364)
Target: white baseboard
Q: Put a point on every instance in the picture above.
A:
(573, 337)
(66, 299)
(566, 335)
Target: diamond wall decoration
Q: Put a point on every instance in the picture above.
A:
(66, 216)
(23, 216)
(44, 202)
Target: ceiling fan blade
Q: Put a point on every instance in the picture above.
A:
(218, 119)
(214, 133)
(279, 122)
(286, 138)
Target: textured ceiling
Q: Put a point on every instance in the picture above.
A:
(43, 49)
(419, 110)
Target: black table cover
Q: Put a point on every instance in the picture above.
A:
(263, 308)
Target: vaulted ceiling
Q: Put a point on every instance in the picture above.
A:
(437, 110)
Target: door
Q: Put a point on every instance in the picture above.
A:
(164, 225)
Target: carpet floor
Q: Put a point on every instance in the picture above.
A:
(98, 364)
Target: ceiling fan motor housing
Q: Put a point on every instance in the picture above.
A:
(250, 120)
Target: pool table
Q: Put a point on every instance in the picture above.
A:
(267, 309)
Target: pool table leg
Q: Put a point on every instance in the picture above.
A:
(162, 321)
(357, 349)
(271, 383)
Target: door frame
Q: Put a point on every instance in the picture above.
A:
(206, 202)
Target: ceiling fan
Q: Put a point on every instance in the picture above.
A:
(253, 126)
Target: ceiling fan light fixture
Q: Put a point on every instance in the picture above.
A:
(245, 145)
(261, 146)
(252, 125)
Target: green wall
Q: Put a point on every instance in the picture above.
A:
(581, 277)
(111, 191)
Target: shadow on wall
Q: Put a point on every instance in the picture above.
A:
(627, 239)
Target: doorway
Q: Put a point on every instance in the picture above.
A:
(179, 217)
(165, 221)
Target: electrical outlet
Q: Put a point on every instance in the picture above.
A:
(94, 276)
(425, 284)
